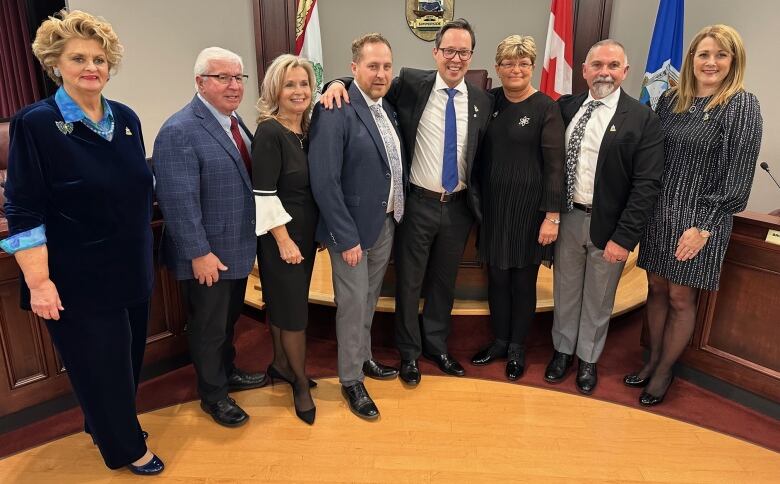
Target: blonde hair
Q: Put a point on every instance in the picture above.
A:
(268, 104)
(729, 40)
(54, 33)
(516, 47)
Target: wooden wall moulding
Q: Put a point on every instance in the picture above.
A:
(737, 335)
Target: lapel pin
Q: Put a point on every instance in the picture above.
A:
(128, 132)
(495, 114)
(612, 129)
(706, 116)
(524, 121)
(65, 128)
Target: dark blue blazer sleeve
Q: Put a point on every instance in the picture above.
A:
(25, 189)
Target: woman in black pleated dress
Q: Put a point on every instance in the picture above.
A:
(521, 183)
(286, 218)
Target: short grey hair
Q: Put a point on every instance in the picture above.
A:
(607, 42)
(214, 53)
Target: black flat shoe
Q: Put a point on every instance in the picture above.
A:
(514, 369)
(274, 374)
(587, 377)
(634, 381)
(378, 371)
(410, 372)
(225, 412)
(648, 400)
(447, 364)
(360, 402)
(151, 468)
(558, 367)
(241, 380)
(489, 355)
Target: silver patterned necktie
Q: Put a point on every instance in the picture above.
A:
(573, 152)
(385, 130)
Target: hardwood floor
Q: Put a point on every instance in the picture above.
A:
(447, 430)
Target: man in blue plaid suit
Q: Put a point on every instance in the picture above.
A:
(204, 188)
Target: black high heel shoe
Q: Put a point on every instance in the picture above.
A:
(649, 400)
(305, 415)
(274, 374)
(632, 380)
(154, 466)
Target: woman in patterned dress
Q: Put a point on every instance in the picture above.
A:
(712, 129)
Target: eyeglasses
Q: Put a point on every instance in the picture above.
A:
(511, 65)
(225, 79)
(464, 54)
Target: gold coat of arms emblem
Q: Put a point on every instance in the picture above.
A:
(426, 17)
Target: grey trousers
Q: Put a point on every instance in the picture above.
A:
(584, 286)
(356, 292)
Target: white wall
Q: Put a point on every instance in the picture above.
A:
(161, 40)
(756, 20)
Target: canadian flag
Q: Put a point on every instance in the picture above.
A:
(558, 56)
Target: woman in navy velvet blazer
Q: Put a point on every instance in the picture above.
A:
(79, 205)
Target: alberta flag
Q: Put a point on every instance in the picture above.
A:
(308, 43)
(665, 56)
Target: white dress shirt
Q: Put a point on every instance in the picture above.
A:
(598, 124)
(428, 155)
(224, 121)
(396, 142)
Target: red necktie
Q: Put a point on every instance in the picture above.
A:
(241, 145)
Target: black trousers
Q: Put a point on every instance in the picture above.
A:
(103, 351)
(212, 313)
(512, 301)
(429, 245)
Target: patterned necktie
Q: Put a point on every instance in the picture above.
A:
(385, 130)
(449, 171)
(241, 145)
(573, 152)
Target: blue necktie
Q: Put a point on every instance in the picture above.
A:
(449, 171)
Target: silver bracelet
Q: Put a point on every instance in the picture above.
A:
(556, 221)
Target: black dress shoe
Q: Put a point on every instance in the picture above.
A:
(225, 412)
(557, 368)
(447, 364)
(241, 380)
(648, 400)
(634, 381)
(378, 371)
(514, 369)
(489, 355)
(410, 372)
(151, 468)
(587, 377)
(274, 374)
(360, 402)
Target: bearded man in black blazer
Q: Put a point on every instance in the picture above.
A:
(614, 164)
(442, 119)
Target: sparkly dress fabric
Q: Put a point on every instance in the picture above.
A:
(521, 179)
(710, 159)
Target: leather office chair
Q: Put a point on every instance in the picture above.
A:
(479, 77)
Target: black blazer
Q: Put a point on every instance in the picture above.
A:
(628, 171)
(350, 173)
(409, 94)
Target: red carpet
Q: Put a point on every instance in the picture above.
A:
(685, 401)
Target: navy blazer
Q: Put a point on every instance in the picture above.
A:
(205, 194)
(628, 170)
(95, 198)
(350, 174)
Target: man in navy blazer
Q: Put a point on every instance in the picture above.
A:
(204, 189)
(358, 180)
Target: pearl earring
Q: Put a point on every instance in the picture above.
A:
(57, 72)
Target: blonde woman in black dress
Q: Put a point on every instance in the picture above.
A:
(286, 218)
(521, 185)
(712, 129)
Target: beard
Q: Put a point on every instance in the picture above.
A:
(603, 86)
